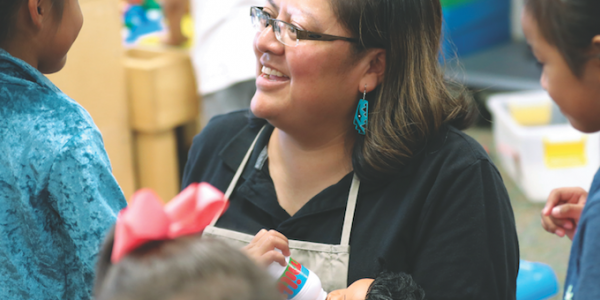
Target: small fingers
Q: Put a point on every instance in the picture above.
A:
(255, 240)
(259, 235)
(548, 224)
(568, 211)
(553, 198)
(277, 240)
(560, 227)
(263, 247)
(272, 256)
(564, 195)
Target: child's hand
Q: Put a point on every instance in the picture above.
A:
(356, 291)
(262, 248)
(563, 210)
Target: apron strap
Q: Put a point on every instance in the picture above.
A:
(238, 173)
(350, 208)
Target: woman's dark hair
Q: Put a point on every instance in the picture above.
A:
(9, 10)
(392, 286)
(414, 100)
(186, 268)
(569, 25)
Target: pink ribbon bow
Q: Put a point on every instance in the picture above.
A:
(145, 219)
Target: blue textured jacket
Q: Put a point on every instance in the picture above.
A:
(58, 196)
(583, 275)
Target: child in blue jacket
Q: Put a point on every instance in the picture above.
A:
(565, 38)
(57, 193)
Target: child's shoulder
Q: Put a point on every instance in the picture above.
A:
(28, 97)
(43, 116)
(42, 105)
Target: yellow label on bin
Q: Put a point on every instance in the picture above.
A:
(565, 154)
(531, 115)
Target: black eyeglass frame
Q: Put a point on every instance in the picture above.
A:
(305, 34)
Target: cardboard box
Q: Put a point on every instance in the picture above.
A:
(162, 89)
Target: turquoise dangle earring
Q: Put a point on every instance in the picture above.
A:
(362, 114)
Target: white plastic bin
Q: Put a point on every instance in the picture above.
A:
(541, 157)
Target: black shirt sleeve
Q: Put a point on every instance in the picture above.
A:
(466, 245)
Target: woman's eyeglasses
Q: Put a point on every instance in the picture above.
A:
(287, 33)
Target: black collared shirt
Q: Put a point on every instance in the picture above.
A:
(446, 219)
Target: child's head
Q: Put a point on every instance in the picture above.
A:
(393, 286)
(155, 252)
(40, 32)
(387, 286)
(565, 38)
(185, 268)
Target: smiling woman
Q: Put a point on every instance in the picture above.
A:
(411, 193)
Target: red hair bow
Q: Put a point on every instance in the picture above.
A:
(145, 219)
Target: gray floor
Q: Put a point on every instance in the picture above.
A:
(535, 243)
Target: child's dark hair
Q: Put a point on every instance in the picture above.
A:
(185, 268)
(570, 25)
(394, 286)
(8, 13)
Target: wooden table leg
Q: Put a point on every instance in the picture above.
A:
(157, 163)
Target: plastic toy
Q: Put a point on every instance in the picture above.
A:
(142, 17)
(536, 281)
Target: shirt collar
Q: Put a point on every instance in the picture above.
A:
(20, 70)
(235, 150)
(233, 153)
(333, 197)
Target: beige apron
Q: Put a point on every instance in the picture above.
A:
(329, 262)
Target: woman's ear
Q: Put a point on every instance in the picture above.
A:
(37, 11)
(375, 72)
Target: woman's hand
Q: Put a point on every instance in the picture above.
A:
(262, 248)
(562, 211)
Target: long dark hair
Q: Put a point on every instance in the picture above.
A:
(8, 13)
(570, 25)
(188, 267)
(414, 100)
